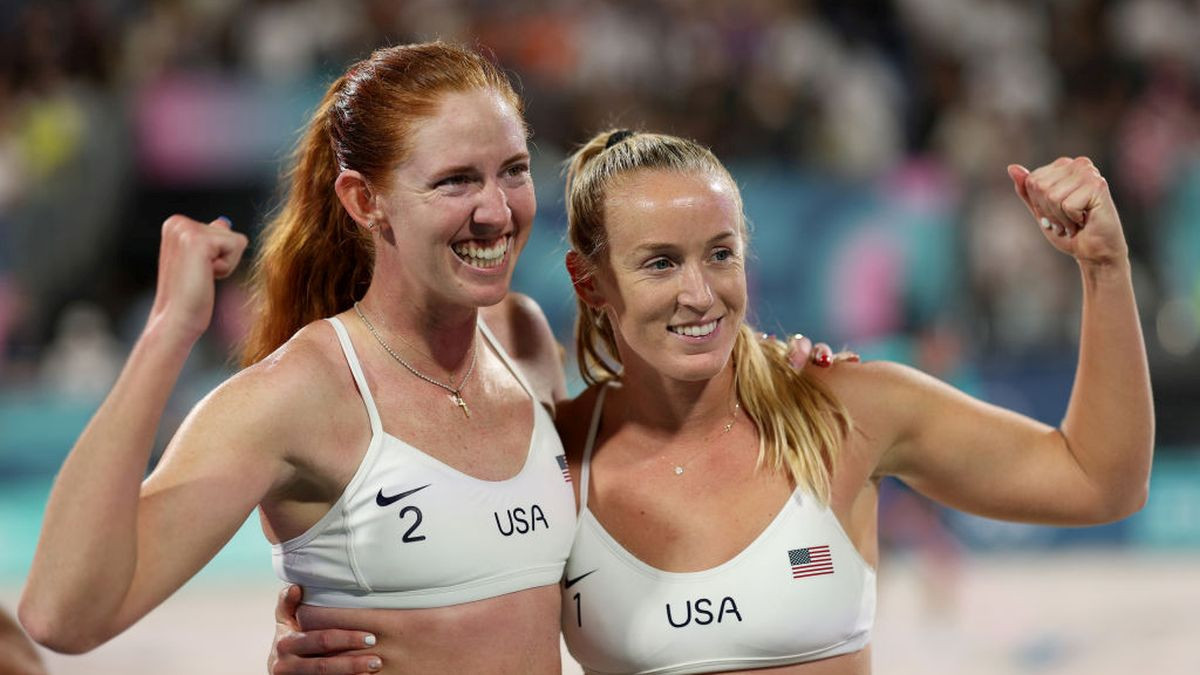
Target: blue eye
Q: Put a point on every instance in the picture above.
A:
(659, 264)
(721, 255)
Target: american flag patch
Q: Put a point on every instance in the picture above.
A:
(810, 562)
(562, 464)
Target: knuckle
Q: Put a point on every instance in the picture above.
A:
(174, 223)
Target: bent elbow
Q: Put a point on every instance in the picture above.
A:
(1134, 502)
(1121, 505)
(55, 630)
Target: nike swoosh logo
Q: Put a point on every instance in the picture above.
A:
(382, 500)
(571, 582)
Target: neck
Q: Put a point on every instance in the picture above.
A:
(672, 407)
(443, 334)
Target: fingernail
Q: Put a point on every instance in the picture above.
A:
(1045, 223)
(798, 336)
(226, 219)
(824, 360)
(369, 640)
(374, 664)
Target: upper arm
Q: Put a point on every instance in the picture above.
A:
(967, 453)
(226, 456)
(522, 329)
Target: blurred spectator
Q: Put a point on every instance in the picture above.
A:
(84, 358)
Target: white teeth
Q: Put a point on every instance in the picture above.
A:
(694, 331)
(482, 256)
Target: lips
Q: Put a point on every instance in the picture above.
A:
(481, 253)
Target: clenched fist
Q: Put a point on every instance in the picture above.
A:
(1070, 200)
(192, 256)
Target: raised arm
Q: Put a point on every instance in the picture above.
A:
(110, 548)
(1095, 467)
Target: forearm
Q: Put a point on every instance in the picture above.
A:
(1109, 424)
(87, 553)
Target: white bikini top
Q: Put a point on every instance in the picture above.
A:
(410, 531)
(799, 592)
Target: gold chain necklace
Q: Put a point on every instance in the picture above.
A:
(455, 392)
(737, 405)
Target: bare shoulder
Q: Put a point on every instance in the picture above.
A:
(863, 386)
(883, 398)
(285, 394)
(523, 331)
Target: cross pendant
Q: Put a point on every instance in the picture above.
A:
(457, 400)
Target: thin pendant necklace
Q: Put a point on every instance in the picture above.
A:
(724, 430)
(455, 392)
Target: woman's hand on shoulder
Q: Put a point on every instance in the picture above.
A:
(192, 256)
(318, 652)
(802, 352)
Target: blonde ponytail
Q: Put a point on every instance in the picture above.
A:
(801, 425)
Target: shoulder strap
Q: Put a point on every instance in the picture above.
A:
(586, 466)
(499, 349)
(356, 370)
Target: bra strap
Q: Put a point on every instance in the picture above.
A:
(586, 467)
(356, 370)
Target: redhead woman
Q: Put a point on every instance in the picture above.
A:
(727, 503)
(391, 425)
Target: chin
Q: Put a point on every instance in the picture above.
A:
(695, 368)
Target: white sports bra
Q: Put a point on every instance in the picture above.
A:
(799, 592)
(410, 531)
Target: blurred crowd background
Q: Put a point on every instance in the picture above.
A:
(870, 139)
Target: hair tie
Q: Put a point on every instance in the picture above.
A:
(618, 136)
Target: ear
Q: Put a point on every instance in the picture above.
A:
(356, 197)
(584, 280)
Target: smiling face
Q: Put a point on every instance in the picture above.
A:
(673, 284)
(460, 205)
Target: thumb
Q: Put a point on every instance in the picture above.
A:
(799, 349)
(1018, 174)
(285, 608)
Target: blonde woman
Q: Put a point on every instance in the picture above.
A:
(728, 503)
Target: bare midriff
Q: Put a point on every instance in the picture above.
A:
(514, 633)
(858, 663)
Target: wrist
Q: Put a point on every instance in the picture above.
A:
(168, 337)
(1106, 270)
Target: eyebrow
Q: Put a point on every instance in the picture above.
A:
(467, 168)
(657, 247)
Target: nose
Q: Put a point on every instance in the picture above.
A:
(694, 289)
(492, 208)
